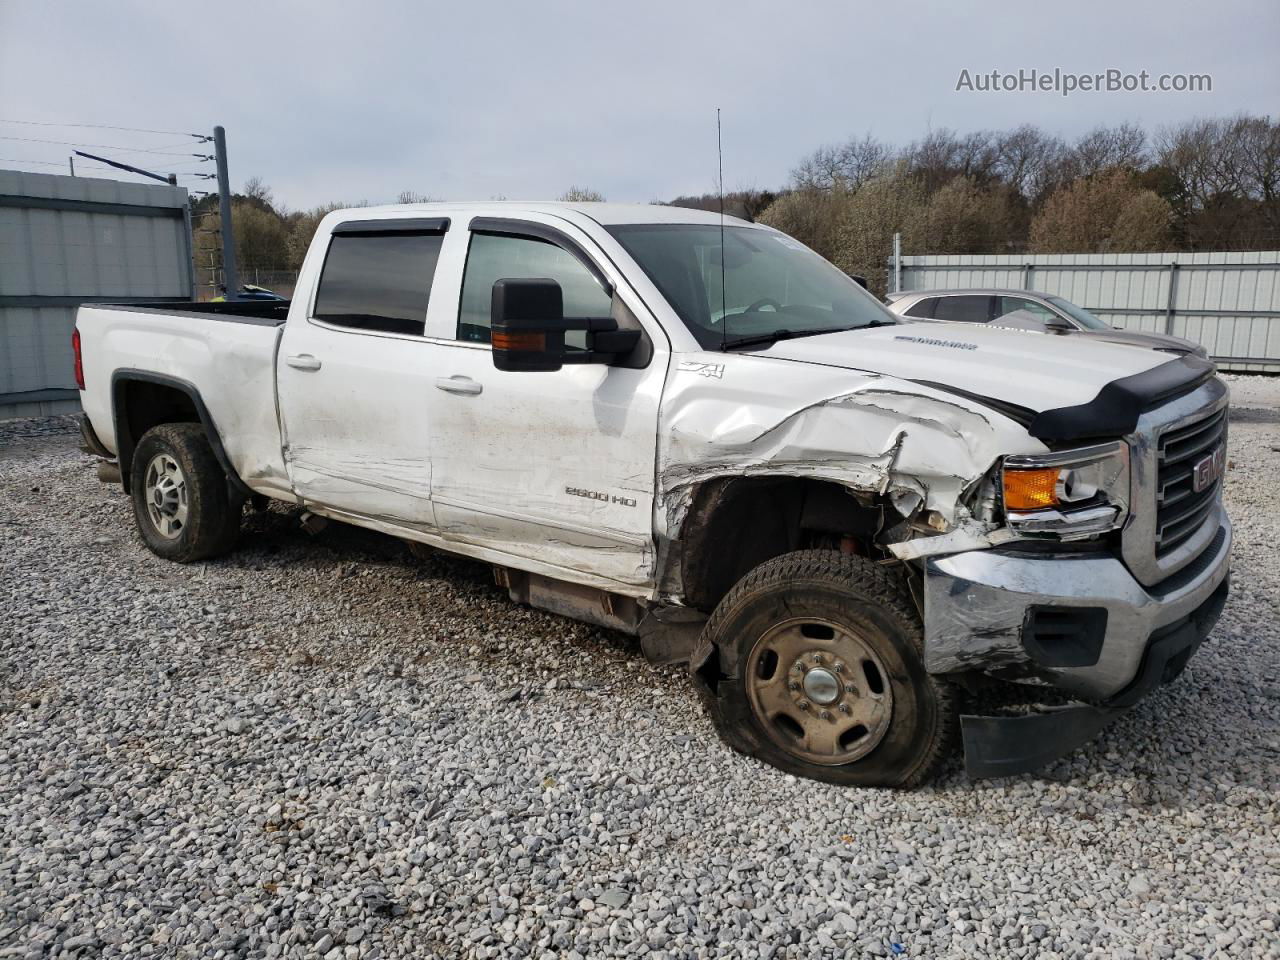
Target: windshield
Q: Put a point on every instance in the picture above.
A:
(772, 283)
(1080, 314)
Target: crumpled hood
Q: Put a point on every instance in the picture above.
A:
(1014, 366)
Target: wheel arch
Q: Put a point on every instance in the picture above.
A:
(736, 523)
(141, 399)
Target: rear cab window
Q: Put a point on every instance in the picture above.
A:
(378, 280)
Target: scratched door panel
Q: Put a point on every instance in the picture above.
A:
(355, 429)
(555, 466)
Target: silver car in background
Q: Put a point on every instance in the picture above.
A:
(1026, 310)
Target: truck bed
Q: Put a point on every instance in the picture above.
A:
(222, 352)
(271, 313)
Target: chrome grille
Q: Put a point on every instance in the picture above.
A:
(1180, 508)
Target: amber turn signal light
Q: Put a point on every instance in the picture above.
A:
(503, 340)
(1031, 489)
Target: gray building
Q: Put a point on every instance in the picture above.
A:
(65, 241)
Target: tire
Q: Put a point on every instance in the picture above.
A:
(181, 502)
(813, 662)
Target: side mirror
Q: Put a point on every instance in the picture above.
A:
(527, 328)
(527, 325)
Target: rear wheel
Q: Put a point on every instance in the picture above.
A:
(181, 504)
(813, 663)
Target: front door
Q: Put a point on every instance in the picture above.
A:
(557, 467)
(354, 375)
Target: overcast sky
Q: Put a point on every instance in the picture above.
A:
(356, 101)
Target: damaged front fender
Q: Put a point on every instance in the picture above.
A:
(922, 449)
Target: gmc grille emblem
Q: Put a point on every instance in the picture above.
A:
(1207, 471)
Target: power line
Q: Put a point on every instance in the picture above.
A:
(50, 163)
(104, 126)
(38, 163)
(162, 150)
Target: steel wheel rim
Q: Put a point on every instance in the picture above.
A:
(164, 490)
(819, 691)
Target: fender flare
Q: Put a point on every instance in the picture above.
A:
(126, 442)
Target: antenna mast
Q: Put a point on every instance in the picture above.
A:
(724, 311)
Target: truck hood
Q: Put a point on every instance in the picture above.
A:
(1141, 338)
(1012, 366)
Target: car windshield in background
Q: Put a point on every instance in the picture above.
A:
(774, 286)
(1080, 314)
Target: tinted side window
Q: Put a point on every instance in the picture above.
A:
(378, 281)
(493, 257)
(1008, 305)
(922, 309)
(963, 309)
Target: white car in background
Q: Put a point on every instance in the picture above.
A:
(1027, 310)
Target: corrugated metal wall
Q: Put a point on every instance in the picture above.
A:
(71, 240)
(1230, 302)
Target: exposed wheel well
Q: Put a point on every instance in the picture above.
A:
(143, 401)
(737, 523)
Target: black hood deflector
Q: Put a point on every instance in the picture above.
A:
(1114, 412)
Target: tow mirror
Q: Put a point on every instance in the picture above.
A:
(528, 325)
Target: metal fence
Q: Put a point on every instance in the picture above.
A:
(1230, 302)
(65, 241)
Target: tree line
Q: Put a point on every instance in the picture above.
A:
(1206, 184)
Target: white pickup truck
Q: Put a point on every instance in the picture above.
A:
(699, 432)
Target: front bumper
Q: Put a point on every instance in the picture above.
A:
(980, 609)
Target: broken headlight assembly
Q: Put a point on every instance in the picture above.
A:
(1067, 494)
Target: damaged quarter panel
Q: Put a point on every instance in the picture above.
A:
(920, 447)
(231, 365)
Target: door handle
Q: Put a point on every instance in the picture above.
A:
(459, 384)
(303, 361)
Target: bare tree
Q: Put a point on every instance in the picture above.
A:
(412, 196)
(576, 194)
(844, 166)
(1104, 148)
(256, 189)
(1027, 159)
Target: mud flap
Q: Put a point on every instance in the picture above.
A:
(1005, 746)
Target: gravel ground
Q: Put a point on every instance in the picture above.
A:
(327, 748)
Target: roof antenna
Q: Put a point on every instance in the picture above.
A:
(724, 311)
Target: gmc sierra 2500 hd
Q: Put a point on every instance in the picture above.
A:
(703, 434)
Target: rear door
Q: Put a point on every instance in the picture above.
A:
(553, 469)
(354, 375)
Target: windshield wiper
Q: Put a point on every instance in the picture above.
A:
(777, 335)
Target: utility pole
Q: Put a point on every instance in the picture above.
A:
(230, 278)
(897, 263)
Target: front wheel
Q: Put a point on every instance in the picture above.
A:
(813, 663)
(181, 504)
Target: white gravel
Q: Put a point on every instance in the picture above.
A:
(325, 748)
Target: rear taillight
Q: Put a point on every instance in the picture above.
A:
(75, 346)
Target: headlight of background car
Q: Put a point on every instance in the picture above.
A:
(1068, 494)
